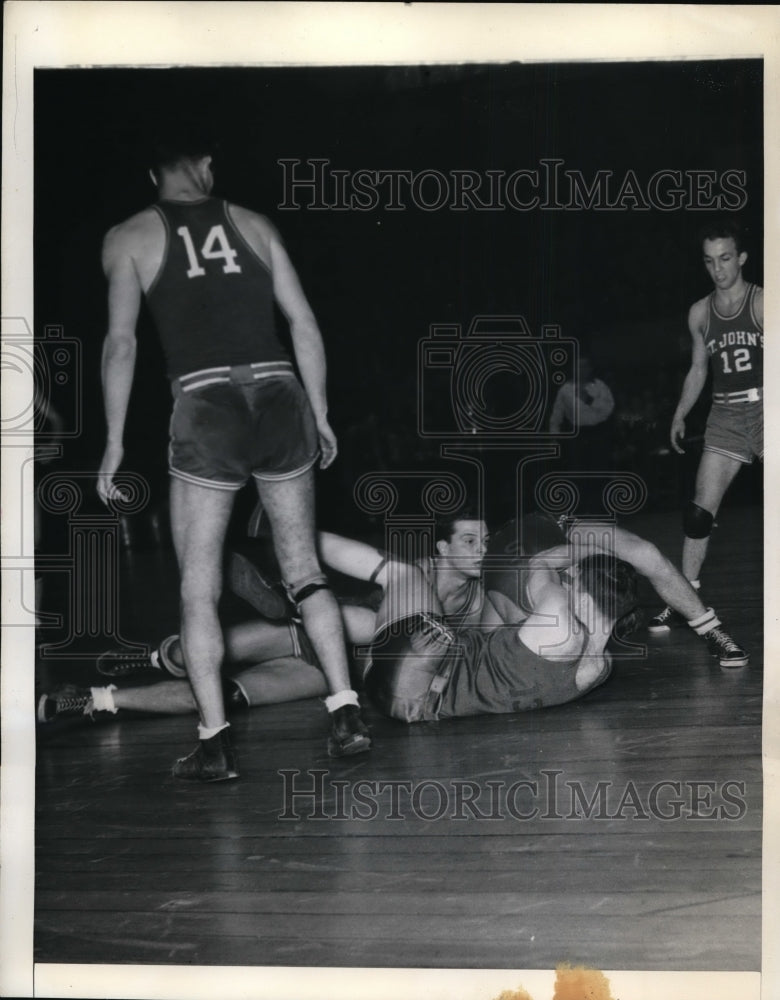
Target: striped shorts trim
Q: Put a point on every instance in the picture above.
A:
(233, 373)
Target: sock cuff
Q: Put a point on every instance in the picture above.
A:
(103, 698)
(162, 654)
(696, 584)
(341, 698)
(704, 622)
(207, 734)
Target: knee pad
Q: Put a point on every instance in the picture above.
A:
(298, 592)
(235, 696)
(697, 522)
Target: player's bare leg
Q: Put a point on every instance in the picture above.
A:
(199, 519)
(289, 505)
(715, 474)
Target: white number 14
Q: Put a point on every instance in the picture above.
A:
(216, 247)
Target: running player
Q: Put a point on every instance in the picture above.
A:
(727, 332)
(211, 273)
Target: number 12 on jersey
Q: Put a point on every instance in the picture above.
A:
(742, 361)
(215, 247)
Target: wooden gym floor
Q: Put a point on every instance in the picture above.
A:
(633, 840)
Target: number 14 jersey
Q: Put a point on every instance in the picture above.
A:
(212, 300)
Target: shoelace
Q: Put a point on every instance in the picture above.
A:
(724, 640)
(72, 703)
(126, 664)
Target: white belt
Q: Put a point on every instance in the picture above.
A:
(744, 396)
(236, 373)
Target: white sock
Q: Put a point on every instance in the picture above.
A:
(705, 622)
(341, 698)
(154, 658)
(206, 734)
(696, 584)
(103, 699)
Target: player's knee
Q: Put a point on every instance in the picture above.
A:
(697, 522)
(199, 589)
(302, 590)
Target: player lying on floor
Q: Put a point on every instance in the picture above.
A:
(542, 640)
(259, 655)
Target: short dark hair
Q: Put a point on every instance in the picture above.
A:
(723, 229)
(173, 144)
(611, 582)
(444, 527)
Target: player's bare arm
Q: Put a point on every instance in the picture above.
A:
(697, 373)
(547, 630)
(758, 305)
(119, 348)
(304, 330)
(352, 558)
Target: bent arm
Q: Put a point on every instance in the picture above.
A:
(355, 559)
(540, 578)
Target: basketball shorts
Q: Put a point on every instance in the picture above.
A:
(411, 663)
(736, 430)
(221, 434)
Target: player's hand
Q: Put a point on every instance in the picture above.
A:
(112, 459)
(328, 445)
(677, 434)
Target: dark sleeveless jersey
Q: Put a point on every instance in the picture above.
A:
(212, 299)
(470, 610)
(736, 346)
(494, 672)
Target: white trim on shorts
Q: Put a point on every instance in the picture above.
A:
(222, 374)
(730, 454)
(286, 475)
(213, 484)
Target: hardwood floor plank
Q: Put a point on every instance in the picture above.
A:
(133, 866)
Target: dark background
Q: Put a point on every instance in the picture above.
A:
(620, 282)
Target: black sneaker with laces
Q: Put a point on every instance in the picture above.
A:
(665, 620)
(211, 760)
(68, 701)
(349, 734)
(729, 653)
(120, 663)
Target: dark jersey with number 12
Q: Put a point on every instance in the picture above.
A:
(212, 299)
(736, 346)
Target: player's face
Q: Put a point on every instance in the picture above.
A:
(466, 548)
(723, 263)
